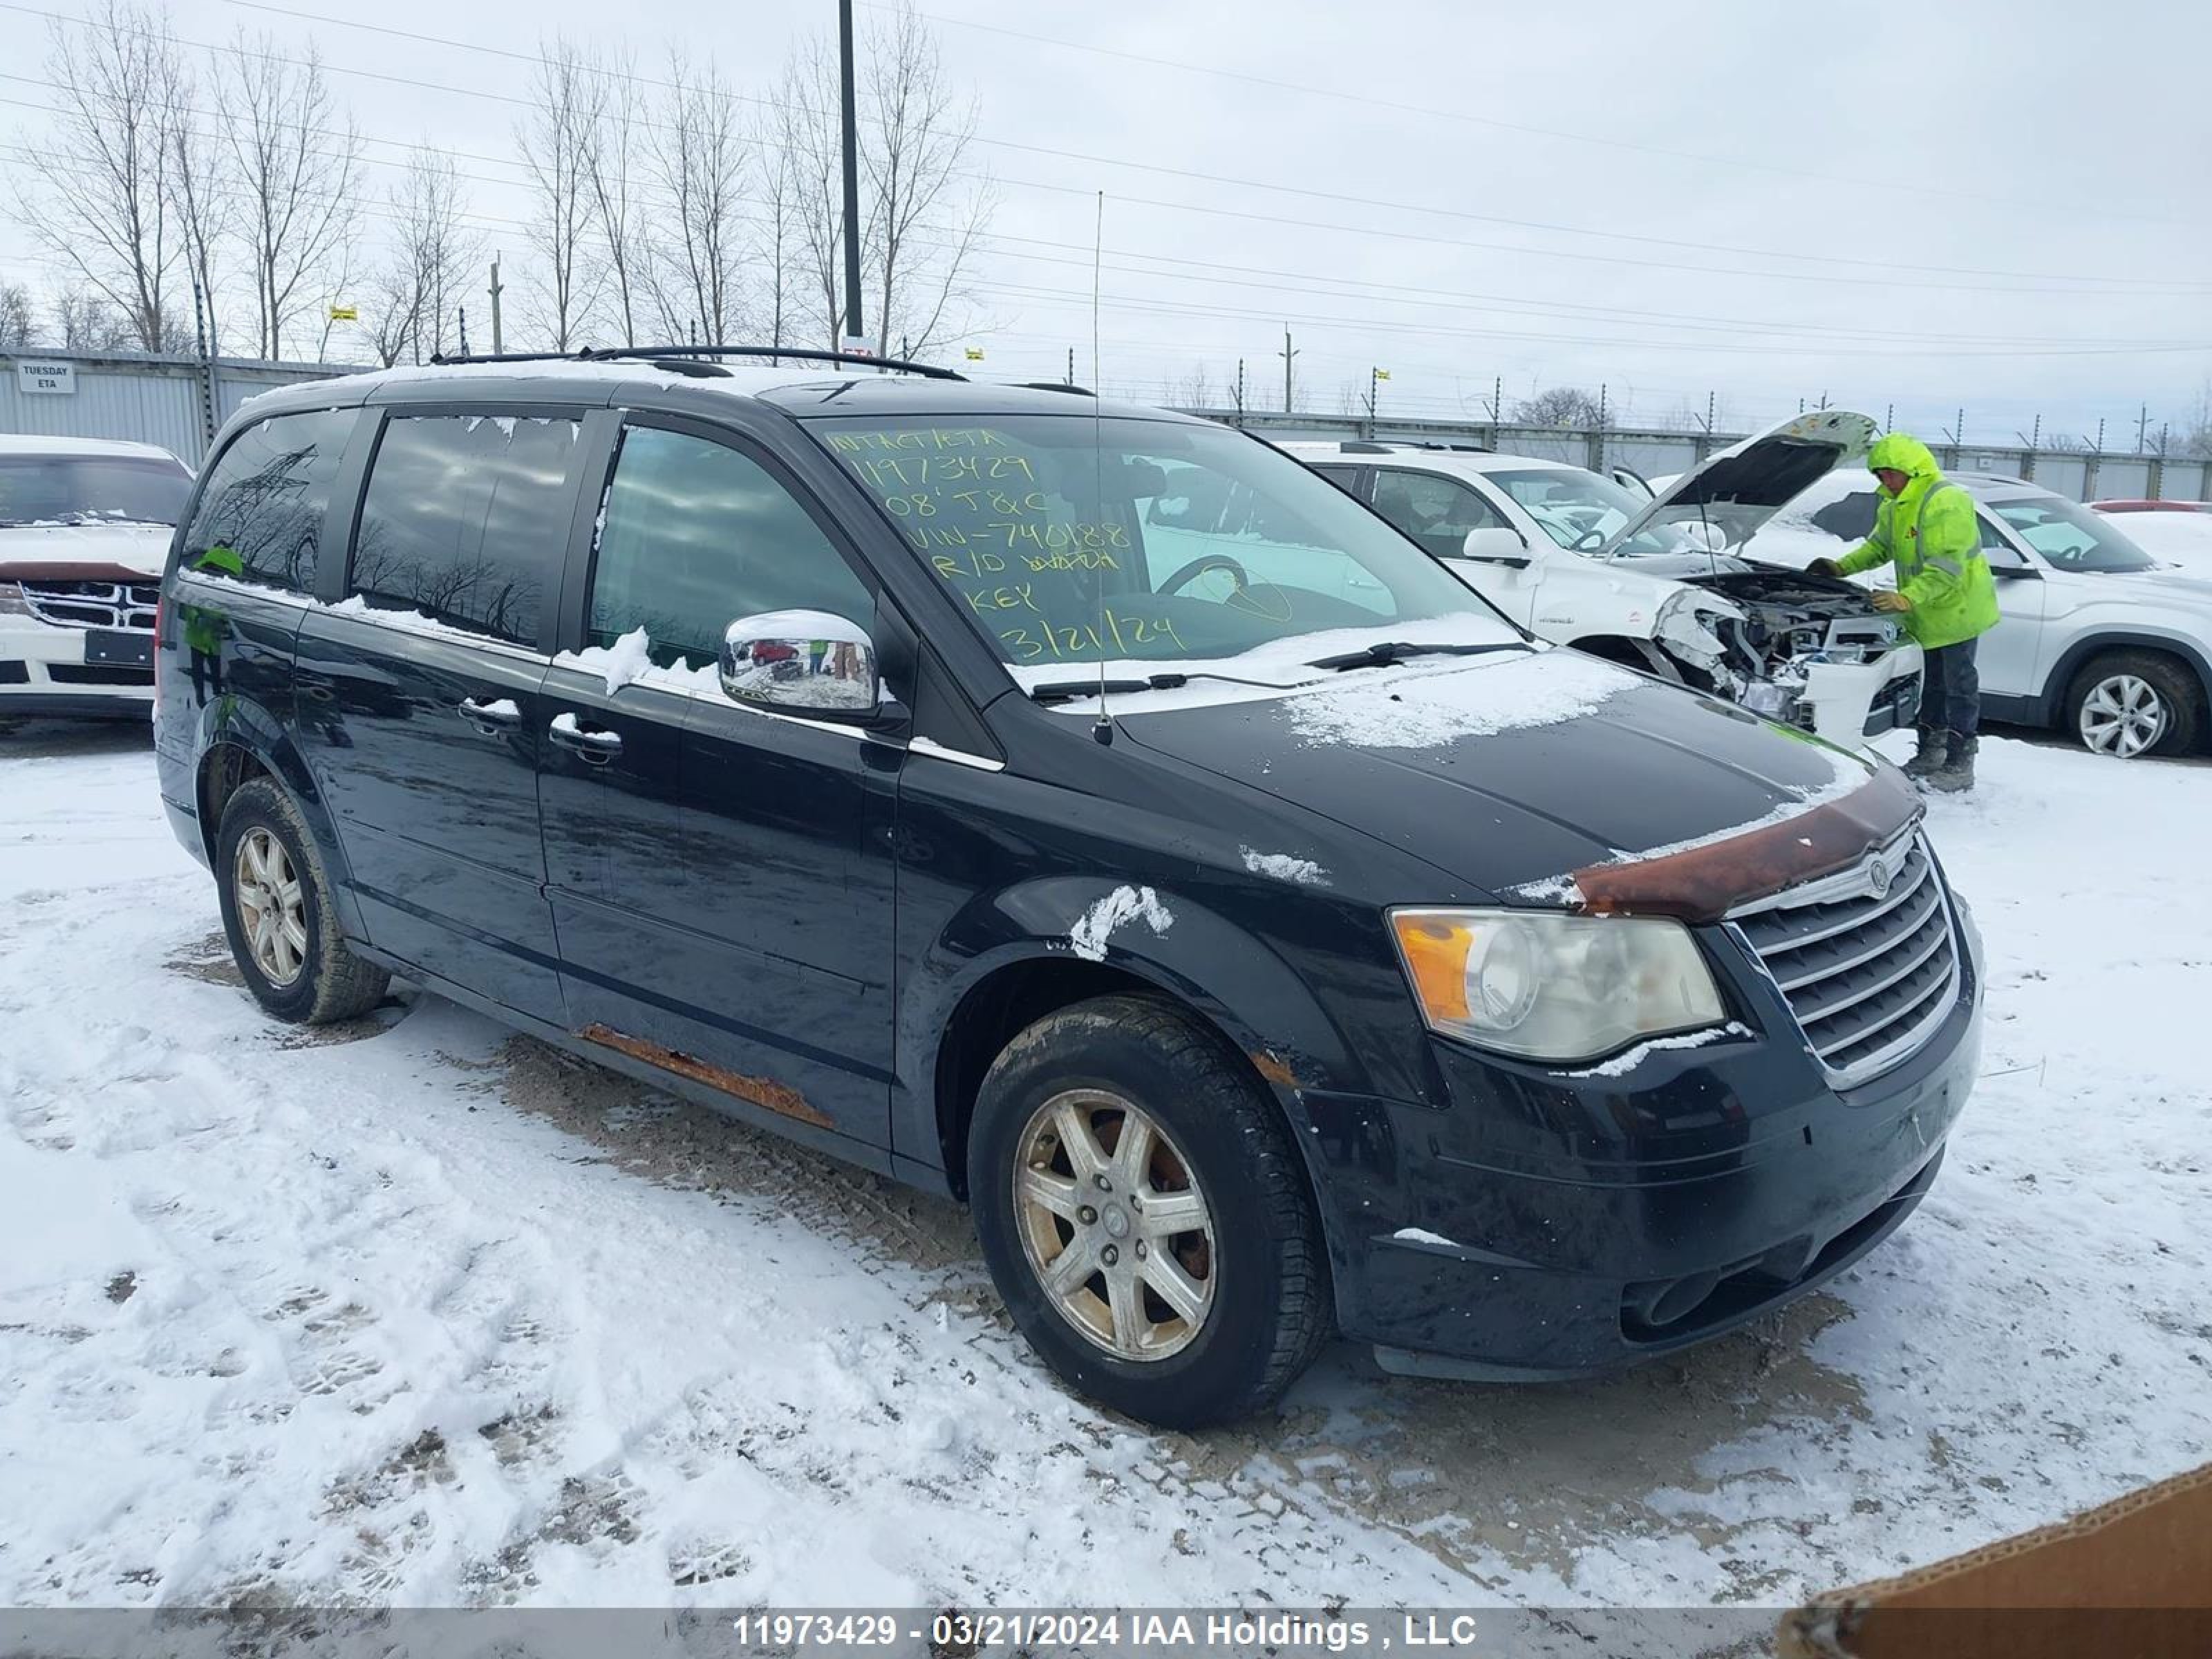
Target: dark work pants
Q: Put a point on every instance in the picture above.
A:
(1951, 690)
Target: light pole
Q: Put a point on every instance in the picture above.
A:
(854, 340)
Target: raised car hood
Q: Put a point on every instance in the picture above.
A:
(96, 551)
(1514, 771)
(1745, 484)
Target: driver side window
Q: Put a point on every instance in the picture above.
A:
(1996, 550)
(1437, 512)
(695, 535)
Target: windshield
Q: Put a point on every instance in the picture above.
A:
(2070, 536)
(1581, 511)
(40, 489)
(1075, 539)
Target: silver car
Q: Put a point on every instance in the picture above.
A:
(2097, 637)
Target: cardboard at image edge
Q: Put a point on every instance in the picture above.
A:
(2134, 1576)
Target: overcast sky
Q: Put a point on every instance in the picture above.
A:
(2001, 206)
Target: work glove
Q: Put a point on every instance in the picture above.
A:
(1824, 568)
(1887, 600)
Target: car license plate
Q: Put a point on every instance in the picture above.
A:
(117, 648)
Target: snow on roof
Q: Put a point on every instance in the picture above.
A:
(16, 443)
(746, 381)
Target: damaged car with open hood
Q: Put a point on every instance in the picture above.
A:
(1079, 809)
(1652, 582)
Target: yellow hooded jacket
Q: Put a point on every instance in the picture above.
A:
(1930, 530)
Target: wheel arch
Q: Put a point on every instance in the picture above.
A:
(1272, 1025)
(244, 742)
(2051, 703)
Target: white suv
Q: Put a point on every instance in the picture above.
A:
(1585, 561)
(84, 526)
(2096, 636)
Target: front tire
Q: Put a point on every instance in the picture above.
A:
(1146, 1220)
(2129, 703)
(278, 916)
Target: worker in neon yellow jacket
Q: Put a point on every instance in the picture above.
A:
(1927, 527)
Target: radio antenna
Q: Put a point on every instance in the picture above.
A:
(1102, 730)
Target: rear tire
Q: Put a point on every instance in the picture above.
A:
(1198, 1302)
(278, 916)
(2117, 699)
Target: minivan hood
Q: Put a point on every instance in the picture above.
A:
(56, 549)
(1748, 483)
(1510, 772)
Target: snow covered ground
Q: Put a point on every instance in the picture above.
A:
(408, 1310)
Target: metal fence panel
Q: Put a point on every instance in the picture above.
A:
(2124, 478)
(2067, 474)
(145, 400)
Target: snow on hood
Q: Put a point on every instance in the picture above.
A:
(141, 547)
(1746, 483)
(1426, 711)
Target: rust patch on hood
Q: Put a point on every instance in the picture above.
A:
(1704, 884)
(778, 1098)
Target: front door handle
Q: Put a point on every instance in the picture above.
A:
(598, 746)
(490, 718)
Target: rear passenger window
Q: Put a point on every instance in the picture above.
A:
(694, 536)
(260, 517)
(467, 519)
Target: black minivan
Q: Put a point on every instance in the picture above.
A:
(1084, 811)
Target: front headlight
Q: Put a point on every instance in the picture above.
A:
(12, 600)
(1554, 987)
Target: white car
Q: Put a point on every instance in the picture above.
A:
(2180, 533)
(2096, 636)
(84, 528)
(1641, 577)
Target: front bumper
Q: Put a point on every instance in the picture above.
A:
(1851, 702)
(46, 668)
(1547, 1225)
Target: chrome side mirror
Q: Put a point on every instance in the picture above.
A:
(801, 662)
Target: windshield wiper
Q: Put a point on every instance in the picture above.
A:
(1061, 691)
(1383, 652)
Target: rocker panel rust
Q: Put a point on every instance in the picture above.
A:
(778, 1098)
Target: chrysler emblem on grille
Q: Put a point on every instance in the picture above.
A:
(1878, 879)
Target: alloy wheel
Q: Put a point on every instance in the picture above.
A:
(272, 912)
(2123, 716)
(1115, 1225)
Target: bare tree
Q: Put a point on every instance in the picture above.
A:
(204, 194)
(2196, 428)
(921, 213)
(1194, 393)
(809, 155)
(297, 162)
(87, 321)
(781, 232)
(555, 140)
(922, 226)
(96, 186)
(18, 321)
(615, 164)
(700, 161)
(1559, 405)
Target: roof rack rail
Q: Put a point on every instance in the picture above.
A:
(1068, 386)
(1361, 447)
(796, 354)
(451, 359)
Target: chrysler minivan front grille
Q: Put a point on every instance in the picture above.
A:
(1868, 959)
